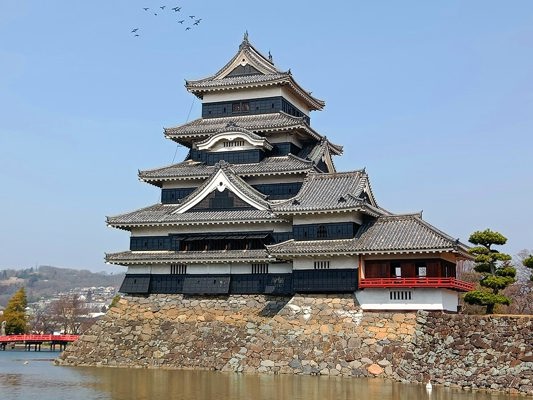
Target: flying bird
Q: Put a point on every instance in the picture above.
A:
(191, 16)
(136, 35)
(181, 22)
(162, 7)
(134, 30)
(176, 9)
(146, 8)
(188, 28)
(197, 21)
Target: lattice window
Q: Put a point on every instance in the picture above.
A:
(321, 264)
(178, 269)
(234, 143)
(322, 232)
(401, 295)
(259, 268)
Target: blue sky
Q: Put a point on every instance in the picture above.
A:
(434, 98)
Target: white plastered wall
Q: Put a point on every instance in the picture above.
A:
(421, 299)
(189, 183)
(339, 262)
(353, 216)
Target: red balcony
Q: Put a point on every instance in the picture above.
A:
(447, 283)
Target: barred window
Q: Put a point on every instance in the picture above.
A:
(178, 269)
(400, 295)
(234, 143)
(259, 268)
(321, 264)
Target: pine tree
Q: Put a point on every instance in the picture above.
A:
(528, 262)
(15, 313)
(495, 267)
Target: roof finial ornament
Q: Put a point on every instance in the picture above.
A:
(244, 40)
(269, 56)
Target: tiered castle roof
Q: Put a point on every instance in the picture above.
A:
(251, 69)
(322, 191)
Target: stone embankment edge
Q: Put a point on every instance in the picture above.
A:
(310, 335)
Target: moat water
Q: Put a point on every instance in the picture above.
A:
(32, 375)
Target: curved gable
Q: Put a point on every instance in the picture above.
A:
(233, 138)
(220, 181)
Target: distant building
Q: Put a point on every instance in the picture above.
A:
(258, 207)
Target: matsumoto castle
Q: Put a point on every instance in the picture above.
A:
(257, 207)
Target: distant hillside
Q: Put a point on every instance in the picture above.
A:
(46, 281)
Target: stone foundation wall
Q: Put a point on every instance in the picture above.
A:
(318, 334)
(470, 351)
(325, 334)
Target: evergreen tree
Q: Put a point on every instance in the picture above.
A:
(495, 267)
(15, 313)
(528, 262)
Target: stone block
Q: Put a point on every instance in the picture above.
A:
(375, 369)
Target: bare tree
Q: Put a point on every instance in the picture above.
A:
(522, 295)
(41, 321)
(68, 313)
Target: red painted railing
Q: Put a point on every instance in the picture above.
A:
(38, 338)
(449, 283)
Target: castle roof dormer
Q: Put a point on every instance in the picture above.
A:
(251, 69)
(233, 137)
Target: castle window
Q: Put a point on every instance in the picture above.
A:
(240, 107)
(322, 232)
(178, 269)
(401, 295)
(259, 268)
(234, 143)
(321, 264)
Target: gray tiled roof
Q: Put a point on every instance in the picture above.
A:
(258, 60)
(332, 191)
(165, 213)
(392, 233)
(201, 128)
(210, 83)
(313, 247)
(403, 232)
(193, 169)
(162, 214)
(270, 75)
(163, 257)
(257, 80)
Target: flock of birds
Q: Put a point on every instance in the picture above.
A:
(189, 23)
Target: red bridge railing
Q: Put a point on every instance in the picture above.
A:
(38, 338)
(448, 283)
